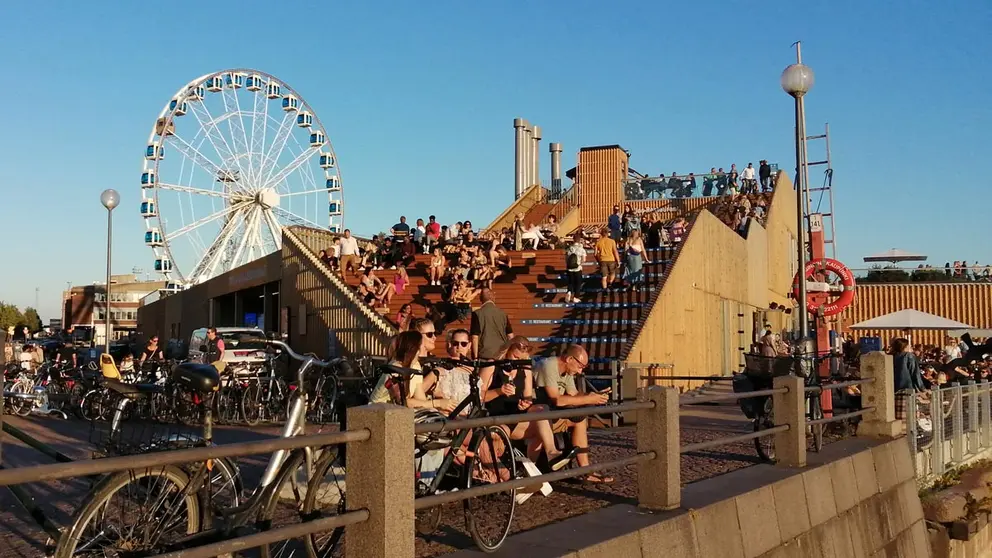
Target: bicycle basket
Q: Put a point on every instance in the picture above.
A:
(768, 367)
(135, 434)
(431, 441)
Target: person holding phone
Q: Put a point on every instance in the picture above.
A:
(510, 391)
(555, 380)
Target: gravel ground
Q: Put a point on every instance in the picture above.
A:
(20, 537)
(569, 500)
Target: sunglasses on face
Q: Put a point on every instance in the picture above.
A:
(429, 334)
(460, 343)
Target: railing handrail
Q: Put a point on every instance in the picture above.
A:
(425, 502)
(837, 385)
(697, 400)
(716, 174)
(384, 327)
(270, 536)
(84, 468)
(501, 420)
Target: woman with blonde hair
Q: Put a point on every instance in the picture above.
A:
(510, 391)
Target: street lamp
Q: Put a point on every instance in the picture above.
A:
(110, 199)
(797, 80)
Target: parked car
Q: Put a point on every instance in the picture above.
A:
(242, 345)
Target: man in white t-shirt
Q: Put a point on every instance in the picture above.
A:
(349, 253)
(555, 380)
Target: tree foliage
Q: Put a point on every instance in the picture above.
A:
(10, 316)
(32, 319)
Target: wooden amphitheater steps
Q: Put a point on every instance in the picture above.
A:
(529, 294)
(539, 213)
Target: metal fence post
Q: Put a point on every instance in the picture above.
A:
(790, 409)
(986, 415)
(973, 435)
(957, 425)
(879, 393)
(615, 367)
(378, 472)
(659, 480)
(913, 431)
(937, 419)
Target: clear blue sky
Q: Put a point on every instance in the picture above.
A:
(418, 99)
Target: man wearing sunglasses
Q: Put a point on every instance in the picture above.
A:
(555, 379)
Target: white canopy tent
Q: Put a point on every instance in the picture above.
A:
(895, 255)
(907, 320)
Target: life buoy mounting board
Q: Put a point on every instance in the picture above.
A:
(838, 296)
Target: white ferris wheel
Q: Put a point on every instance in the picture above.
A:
(233, 157)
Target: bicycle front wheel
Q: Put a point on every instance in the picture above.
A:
(489, 517)
(765, 446)
(132, 512)
(816, 413)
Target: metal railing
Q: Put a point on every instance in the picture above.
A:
(14, 478)
(380, 502)
(948, 427)
(690, 185)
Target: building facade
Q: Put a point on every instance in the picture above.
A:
(85, 307)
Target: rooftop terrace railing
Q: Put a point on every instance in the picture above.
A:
(689, 185)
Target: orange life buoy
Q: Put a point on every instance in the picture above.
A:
(843, 298)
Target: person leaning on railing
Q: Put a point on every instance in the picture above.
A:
(908, 378)
(555, 379)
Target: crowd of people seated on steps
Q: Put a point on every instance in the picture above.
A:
(461, 264)
(737, 210)
(547, 384)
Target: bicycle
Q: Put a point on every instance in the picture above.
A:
(498, 454)
(183, 513)
(757, 375)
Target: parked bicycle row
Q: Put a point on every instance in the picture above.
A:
(249, 394)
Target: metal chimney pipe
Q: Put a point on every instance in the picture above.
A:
(555, 149)
(526, 155)
(536, 156)
(518, 153)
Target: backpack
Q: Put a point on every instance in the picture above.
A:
(572, 261)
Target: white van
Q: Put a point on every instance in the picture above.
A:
(242, 345)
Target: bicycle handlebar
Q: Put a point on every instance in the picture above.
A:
(478, 363)
(297, 356)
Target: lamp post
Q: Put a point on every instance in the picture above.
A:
(797, 80)
(110, 199)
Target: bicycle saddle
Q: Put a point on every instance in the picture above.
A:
(130, 390)
(192, 376)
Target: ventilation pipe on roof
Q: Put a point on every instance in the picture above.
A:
(536, 156)
(555, 149)
(520, 171)
(528, 155)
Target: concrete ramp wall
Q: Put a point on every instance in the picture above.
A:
(857, 498)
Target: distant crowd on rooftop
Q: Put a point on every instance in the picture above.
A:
(958, 271)
(716, 182)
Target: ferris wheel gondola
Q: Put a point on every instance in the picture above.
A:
(224, 170)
